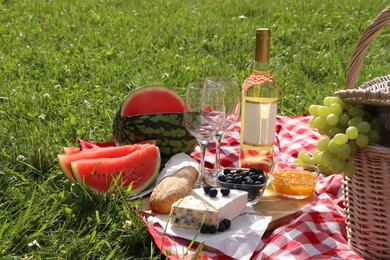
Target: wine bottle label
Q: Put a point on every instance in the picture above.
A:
(259, 121)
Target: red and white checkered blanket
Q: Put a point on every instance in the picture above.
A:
(317, 231)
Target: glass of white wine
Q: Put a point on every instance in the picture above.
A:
(232, 96)
(204, 115)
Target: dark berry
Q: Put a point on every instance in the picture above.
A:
(206, 188)
(222, 178)
(250, 181)
(204, 229)
(225, 191)
(229, 181)
(259, 171)
(213, 192)
(238, 171)
(226, 171)
(261, 178)
(229, 178)
(212, 229)
(252, 173)
(252, 169)
(237, 180)
(244, 174)
(227, 223)
(221, 227)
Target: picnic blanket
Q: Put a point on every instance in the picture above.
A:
(317, 231)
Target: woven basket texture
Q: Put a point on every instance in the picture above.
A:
(367, 193)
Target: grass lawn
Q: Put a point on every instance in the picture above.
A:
(66, 65)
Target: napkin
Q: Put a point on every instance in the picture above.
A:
(239, 241)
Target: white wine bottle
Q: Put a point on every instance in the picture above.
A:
(259, 109)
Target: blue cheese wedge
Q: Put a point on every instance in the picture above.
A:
(190, 211)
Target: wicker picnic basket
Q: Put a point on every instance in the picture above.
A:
(367, 193)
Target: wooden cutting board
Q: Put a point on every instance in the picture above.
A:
(281, 210)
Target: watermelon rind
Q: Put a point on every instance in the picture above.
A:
(167, 129)
(151, 99)
(139, 169)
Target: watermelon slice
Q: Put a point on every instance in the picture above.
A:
(108, 152)
(71, 149)
(139, 168)
(151, 99)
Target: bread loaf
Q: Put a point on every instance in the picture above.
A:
(173, 188)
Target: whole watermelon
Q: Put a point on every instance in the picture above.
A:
(165, 128)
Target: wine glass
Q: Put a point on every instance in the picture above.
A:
(204, 114)
(232, 95)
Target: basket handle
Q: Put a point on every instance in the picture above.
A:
(364, 42)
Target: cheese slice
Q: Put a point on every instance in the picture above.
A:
(229, 207)
(190, 211)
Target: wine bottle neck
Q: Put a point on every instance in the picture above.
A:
(262, 51)
(261, 67)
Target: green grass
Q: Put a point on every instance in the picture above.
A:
(66, 65)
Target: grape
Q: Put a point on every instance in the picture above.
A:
(340, 139)
(344, 151)
(317, 155)
(337, 100)
(354, 121)
(313, 109)
(327, 157)
(349, 168)
(356, 111)
(336, 166)
(319, 122)
(354, 147)
(311, 122)
(363, 127)
(332, 119)
(306, 158)
(301, 154)
(327, 101)
(344, 119)
(374, 136)
(322, 144)
(333, 131)
(362, 140)
(376, 124)
(336, 109)
(323, 111)
(352, 132)
(345, 128)
(333, 147)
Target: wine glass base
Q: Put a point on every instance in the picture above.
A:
(210, 177)
(207, 178)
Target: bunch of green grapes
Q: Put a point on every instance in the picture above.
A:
(345, 127)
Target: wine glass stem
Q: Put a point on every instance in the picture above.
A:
(217, 164)
(203, 146)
